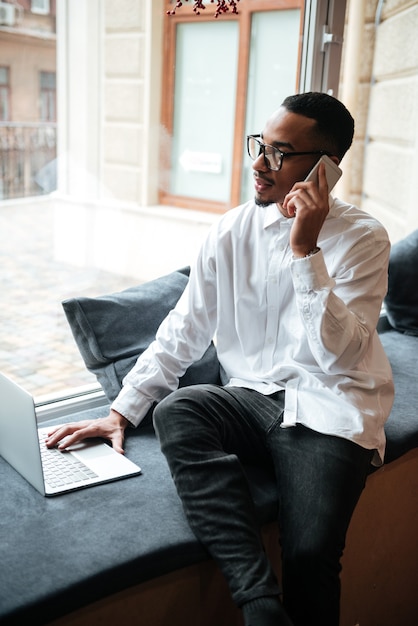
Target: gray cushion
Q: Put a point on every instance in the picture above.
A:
(401, 301)
(402, 425)
(111, 331)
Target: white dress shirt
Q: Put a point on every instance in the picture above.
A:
(304, 325)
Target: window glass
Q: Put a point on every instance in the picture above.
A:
(272, 73)
(203, 130)
(83, 235)
(4, 94)
(47, 96)
(4, 75)
(40, 6)
(47, 80)
(36, 346)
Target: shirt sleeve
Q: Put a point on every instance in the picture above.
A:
(340, 310)
(182, 339)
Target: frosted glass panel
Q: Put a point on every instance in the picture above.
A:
(205, 84)
(272, 73)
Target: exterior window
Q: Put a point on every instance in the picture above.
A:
(101, 230)
(40, 6)
(203, 124)
(268, 83)
(47, 97)
(4, 94)
(230, 75)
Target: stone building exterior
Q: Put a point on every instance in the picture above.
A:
(379, 82)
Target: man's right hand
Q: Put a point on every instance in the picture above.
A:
(112, 428)
(308, 203)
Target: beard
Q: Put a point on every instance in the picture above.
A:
(261, 203)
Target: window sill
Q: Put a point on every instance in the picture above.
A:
(82, 399)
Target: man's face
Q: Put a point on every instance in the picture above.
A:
(289, 132)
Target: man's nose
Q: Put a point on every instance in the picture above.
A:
(260, 163)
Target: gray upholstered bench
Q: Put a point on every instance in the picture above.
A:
(124, 553)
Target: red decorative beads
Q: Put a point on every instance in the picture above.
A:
(222, 6)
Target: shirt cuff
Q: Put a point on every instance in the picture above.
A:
(310, 273)
(132, 405)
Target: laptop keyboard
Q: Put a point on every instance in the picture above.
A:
(62, 468)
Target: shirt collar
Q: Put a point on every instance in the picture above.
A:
(272, 215)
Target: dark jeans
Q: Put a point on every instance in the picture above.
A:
(206, 433)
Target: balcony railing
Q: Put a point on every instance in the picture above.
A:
(27, 159)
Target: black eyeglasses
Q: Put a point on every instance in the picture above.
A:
(273, 157)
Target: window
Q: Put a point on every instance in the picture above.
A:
(4, 94)
(86, 238)
(47, 97)
(227, 75)
(40, 6)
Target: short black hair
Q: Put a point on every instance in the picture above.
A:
(335, 125)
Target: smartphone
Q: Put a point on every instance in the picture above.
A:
(333, 172)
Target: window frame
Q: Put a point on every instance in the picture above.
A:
(186, 15)
(85, 399)
(322, 45)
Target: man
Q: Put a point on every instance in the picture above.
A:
(291, 285)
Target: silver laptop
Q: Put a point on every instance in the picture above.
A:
(89, 463)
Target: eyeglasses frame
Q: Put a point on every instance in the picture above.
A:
(282, 154)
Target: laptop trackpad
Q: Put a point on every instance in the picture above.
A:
(91, 449)
(104, 460)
